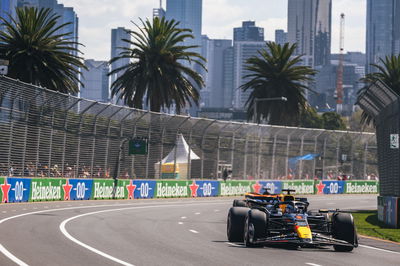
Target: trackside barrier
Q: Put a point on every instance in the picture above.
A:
(52, 189)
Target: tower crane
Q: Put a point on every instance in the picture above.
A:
(339, 76)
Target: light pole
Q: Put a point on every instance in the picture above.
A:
(256, 100)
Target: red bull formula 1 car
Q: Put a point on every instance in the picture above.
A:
(263, 220)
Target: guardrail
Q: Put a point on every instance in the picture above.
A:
(59, 189)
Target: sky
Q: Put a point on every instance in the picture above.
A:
(98, 17)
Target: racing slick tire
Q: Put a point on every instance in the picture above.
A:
(235, 223)
(239, 203)
(343, 229)
(255, 227)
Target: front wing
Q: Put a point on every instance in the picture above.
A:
(317, 240)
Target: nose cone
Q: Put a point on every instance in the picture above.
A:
(304, 232)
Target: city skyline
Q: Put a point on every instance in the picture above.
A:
(216, 24)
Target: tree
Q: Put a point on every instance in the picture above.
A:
(310, 118)
(333, 121)
(159, 67)
(389, 73)
(277, 73)
(38, 53)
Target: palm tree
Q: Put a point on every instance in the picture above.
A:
(38, 53)
(388, 73)
(276, 73)
(159, 67)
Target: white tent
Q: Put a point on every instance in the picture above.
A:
(179, 155)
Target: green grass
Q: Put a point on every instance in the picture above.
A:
(367, 224)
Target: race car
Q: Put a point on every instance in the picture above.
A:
(263, 224)
(254, 199)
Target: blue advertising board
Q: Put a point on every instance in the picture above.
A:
(144, 189)
(330, 187)
(19, 189)
(275, 187)
(204, 188)
(81, 189)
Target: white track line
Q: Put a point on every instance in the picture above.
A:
(197, 213)
(235, 245)
(19, 262)
(180, 223)
(183, 217)
(380, 249)
(193, 231)
(11, 256)
(312, 264)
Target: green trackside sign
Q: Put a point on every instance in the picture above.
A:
(103, 189)
(301, 186)
(235, 188)
(47, 189)
(172, 189)
(1, 191)
(362, 187)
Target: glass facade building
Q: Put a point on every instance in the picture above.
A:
(7, 9)
(189, 14)
(280, 37)
(309, 25)
(383, 31)
(95, 80)
(248, 32)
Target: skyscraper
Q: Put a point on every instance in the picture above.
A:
(7, 9)
(189, 14)
(159, 12)
(280, 37)
(95, 80)
(215, 77)
(66, 14)
(309, 25)
(383, 31)
(117, 43)
(248, 32)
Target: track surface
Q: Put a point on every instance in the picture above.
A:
(160, 232)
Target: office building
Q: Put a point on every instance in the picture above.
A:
(242, 51)
(309, 26)
(280, 37)
(383, 31)
(248, 32)
(189, 15)
(159, 12)
(7, 9)
(95, 80)
(215, 83)
(117, 44)
(66, 14)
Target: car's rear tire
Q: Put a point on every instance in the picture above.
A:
(235, 223)
(239, 203)
(255, 227)
(343, 229)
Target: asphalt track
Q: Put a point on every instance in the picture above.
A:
(160, 232)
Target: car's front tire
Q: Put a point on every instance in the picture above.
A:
(343, 229)
(235, 223)
(255, 227)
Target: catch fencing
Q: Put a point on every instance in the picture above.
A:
(49, 134)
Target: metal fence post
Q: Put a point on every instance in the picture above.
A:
(65, 135)
(315, 151)
(162, 145)
(121, 135)
(202, 147)
(178, 129)
(94, 138)
(287, 154)
(11, 128)
(246, 145)
(365, 159)
(189, 170)
(324, 158)
(79, 136)
(259, 153)
(134, 135)
(273, 155)
(233, 146)
(338, 155)
(108, 140)
(218, 150)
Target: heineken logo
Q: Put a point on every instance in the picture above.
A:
(227, 189)
(175, 190)
(361, 188)
(42, 191)
(101, 190)
(301, 188)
